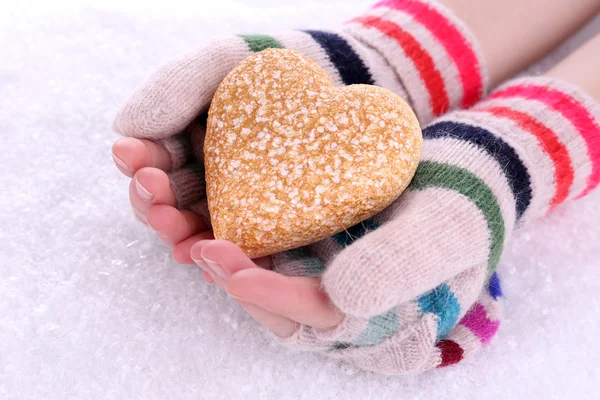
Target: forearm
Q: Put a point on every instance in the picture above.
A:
(514, 33)
(581, 68)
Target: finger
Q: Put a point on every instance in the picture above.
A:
(278, 325)
(231, 259)
(131, 154)
(415, 248)
(221, 258)
(150, 186)
(174, 225)
(297, 298)
(181, 251)
(225, 256)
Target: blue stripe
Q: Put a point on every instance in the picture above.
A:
(351, 67)
(441, 302)
(378, 329)
(494, 287)
(352, 234)
(508, 159)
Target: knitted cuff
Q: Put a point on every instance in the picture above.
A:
(431, 51)
(549, 130)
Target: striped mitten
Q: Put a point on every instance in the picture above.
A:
(416, 282)
(415, 48)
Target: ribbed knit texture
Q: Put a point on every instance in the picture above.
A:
(417, 282)
(415, 48)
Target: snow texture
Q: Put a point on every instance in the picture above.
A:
(92, 305)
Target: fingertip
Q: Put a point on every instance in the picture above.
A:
(132, 154)
(125, 153)
(207, 278)
(196, 249)
(180, 255)
(218, 248)
(227, 255)
(181, 251)
(153, 185)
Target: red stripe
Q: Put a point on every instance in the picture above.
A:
(451, 352)
(572, 110)
(563, 170)
(421, 59)
(457, 46)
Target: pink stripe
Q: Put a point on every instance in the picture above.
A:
(453, 41)
(572, 110)
(422, 60)
(478, 323)
(549, 142)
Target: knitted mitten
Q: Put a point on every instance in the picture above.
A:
(415, 48)
(416, 282)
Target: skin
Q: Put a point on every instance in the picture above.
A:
(281, 303)
(513, 34)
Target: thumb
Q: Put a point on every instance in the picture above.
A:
(434, 235)
(180, 90)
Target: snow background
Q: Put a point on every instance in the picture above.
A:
(93, 307)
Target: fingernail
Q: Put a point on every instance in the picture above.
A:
(216, 267)
(121, 164)
(164, 237)
(235, 296)
(203, 265)
(144, 194)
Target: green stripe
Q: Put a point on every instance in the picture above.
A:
(434, 174)
(261, 42)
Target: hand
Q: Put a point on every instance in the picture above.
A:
(161, 117)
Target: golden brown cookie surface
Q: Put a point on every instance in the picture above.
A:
(290, 159)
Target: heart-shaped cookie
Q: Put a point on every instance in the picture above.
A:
(290, 159)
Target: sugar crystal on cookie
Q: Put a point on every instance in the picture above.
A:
(290, 159)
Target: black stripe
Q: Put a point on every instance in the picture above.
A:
(355, 232)
(512, 166)
(350, 66)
